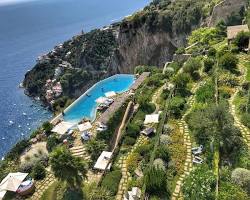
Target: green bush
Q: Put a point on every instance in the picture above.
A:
(95, 148)
(163, 153)
(245, 118)
(156, 182)
(17, 149)
(192, 66)
(176, 106)
(52, 142)
(200, 184)
(133, 130)
(38, 171)
(241, 177)
(208, 64)
(132, 162)
(229, 191)
(47, 127)
(228, 61)
(205, 93)
(111, 181)
(129, 141)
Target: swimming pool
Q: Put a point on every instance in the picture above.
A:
(85, 106)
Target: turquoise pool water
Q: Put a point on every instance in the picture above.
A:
(85, 106)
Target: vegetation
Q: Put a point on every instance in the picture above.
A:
(38, 171)
(111, 181)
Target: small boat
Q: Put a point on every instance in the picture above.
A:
(19, 126)
(3, 138)
(88, 95)
(24, 113)
(11, 122)
(29, 118)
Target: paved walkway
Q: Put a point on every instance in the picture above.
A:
(126, 176)
(188, 165)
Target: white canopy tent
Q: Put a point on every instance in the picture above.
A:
(62, 127)
(103, 161)
(151, 119)
(85, 126)
(11, 182)
(110, 94)
(101, 100)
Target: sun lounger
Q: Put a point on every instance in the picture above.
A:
(197, 150)
(197, 160)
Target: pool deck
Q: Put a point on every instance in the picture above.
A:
(120, 100)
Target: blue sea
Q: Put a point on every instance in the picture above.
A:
(31, 28)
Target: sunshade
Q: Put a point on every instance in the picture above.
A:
(110, 94)
(12, 181)
(101, 100)
(149, 119)
(85, 126)
(62, 127)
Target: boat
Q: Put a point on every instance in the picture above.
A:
(26, 188)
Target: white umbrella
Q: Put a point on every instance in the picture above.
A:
(85, 126)
(2, 194)
(110, 94)
(12, 181)
(101, 100)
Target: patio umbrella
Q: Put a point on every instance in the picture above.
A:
(12, 181)
(101, 100)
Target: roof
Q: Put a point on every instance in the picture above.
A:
(153, 118)
(85, 126)
(62, 127)
(148, 131)
(232, 31)
(103, 161)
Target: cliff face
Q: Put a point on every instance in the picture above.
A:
(145, 48)
(149, 37)
(225, 9)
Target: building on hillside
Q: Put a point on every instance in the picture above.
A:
(232, 31)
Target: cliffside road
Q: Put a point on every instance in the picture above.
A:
(188, 166)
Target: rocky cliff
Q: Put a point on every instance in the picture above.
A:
(149, 37)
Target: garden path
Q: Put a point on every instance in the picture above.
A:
(188, 166)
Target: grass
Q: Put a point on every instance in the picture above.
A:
(51, 192)
(247, 65)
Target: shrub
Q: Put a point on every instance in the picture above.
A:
(228, 61)
(180, 50)
(18, 149)
(132, 162)
(95, 148)
(211, 52)
(156, 182)
(192, 66)
(52, 142)
(205, 94)
(38, 171)
(245, 118)
(47, 127)
(176, 106)
(111, 181)
(129, 140)
(208, 64)
(229, 191)
(159, 163)
(241, 177)
(165, 139)
(163, 153)
(181, 81)
(200, 184)
(133, 130)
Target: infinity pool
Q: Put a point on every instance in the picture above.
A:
(85, 106)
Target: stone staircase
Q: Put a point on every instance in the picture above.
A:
(188, 165)
(122, 163)
(80, 151)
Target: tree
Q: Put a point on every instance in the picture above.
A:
(200, 184)
(228, 61)
(47, 127)
(208, 64)
(242, 40)
(156, 182)
(176, 106)
(111, 181)
(67, 167)
(95, 148)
